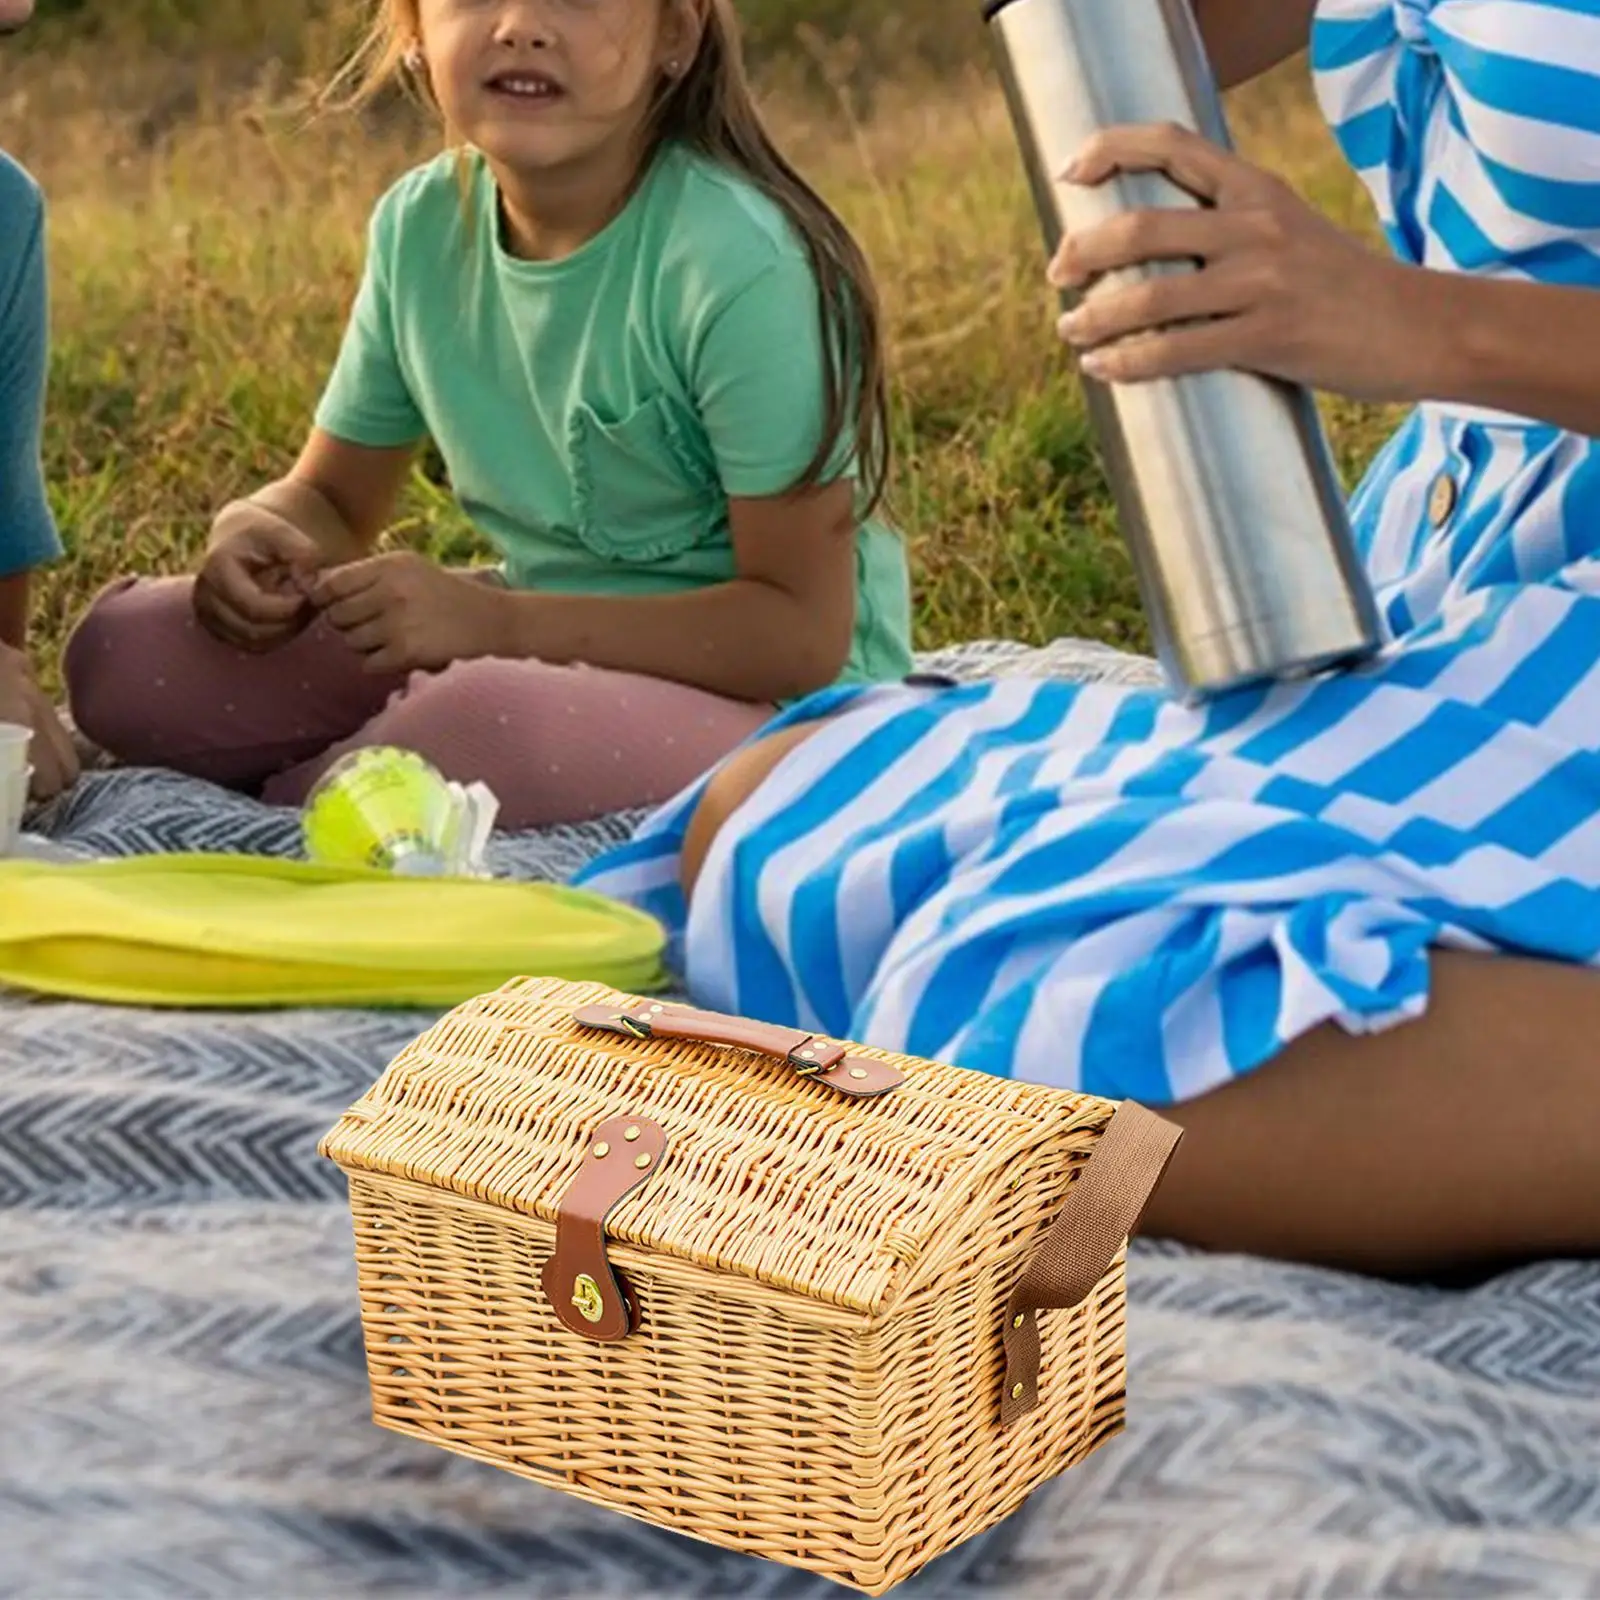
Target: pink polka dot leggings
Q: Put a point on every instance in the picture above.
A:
(556, 744)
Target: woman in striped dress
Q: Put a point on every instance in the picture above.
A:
(1229, 912)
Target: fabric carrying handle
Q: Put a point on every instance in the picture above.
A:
(1102, 1208)
(810, 1055)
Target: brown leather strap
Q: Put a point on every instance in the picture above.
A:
(810, 1055)
(1102, 1207)
(586, 1291)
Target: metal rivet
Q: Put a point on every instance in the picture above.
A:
(631, 1134)
(1016, 1322)
(807, 1055)
(858, 1072)
(1016, 1391)
(642, 1162)
(657, 1010)
(602, 1150)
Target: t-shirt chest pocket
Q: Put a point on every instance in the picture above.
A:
(639, 493)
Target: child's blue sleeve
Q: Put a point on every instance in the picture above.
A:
(28, 536)
(760, 383)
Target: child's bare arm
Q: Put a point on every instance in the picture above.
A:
(15, 593)
(340, 495)
(781, 628)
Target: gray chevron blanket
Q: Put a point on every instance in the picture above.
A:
(183, 1409)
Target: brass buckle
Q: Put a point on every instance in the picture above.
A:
(587, 1298)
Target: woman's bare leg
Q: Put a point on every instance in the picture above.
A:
(731, 785)
(1469, 1137)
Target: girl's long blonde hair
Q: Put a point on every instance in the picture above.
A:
(711, 108)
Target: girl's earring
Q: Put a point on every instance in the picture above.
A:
(414, 60)
(673, 69)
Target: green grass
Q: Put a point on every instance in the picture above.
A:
(206, 242)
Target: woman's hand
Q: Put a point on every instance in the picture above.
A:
(404, 613)
(1279, 290)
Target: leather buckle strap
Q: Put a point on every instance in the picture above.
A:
(586, 1292)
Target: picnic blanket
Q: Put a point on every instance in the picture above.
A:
(183, 1402)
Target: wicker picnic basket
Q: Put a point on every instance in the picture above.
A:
(741, 1282)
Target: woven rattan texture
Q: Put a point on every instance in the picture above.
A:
(820, 1282)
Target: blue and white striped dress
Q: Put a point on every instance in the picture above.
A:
(1097, 888)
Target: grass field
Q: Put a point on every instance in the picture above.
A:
(206, 240)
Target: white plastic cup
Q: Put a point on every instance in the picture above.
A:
(15, 774)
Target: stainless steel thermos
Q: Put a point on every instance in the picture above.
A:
(1224, 484)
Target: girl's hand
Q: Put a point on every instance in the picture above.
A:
(250, 591)
(1279, 290)
(404, 613)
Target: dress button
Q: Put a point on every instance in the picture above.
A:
(1442, 499)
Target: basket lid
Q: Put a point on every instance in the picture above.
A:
(768, 1175)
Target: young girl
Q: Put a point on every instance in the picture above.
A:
(1096, 888)
(28, 536)
(650, 358)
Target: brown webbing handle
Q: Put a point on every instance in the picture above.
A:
(1102, 1208)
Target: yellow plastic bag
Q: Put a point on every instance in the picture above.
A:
(235, 931)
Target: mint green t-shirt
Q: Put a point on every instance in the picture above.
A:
(596, 413)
